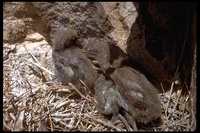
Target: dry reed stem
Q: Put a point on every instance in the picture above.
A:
(54, 107)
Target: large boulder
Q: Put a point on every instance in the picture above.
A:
(160, 40)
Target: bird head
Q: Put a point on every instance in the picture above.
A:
(98, 50)
(66, 37)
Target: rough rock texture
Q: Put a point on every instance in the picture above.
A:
(87, 18)
(151, 39)
(121, 15)
(161, 41)
(32, 24)
(110, 20)
(193, 85)
(14, 30)
(20, 19)
(156, 35)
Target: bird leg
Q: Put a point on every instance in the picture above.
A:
(131, 121)
(124, 121)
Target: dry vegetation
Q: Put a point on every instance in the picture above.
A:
(34, 101)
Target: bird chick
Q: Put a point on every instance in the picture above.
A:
(71, 64)
(136, 95)
(64, 38)
(97, 50)
(107, 99)
(106, 96)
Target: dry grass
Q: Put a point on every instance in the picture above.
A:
(33, 101)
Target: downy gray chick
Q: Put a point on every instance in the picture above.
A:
(107, 99)
(136, 95)
(98, 50)
(71, 64)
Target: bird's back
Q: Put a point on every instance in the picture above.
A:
(137, 95)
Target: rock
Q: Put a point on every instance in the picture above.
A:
(31, 45)
(7, 49)
(34, 37)
(88, 18)
(13, 30)
(157, 39)
(128, 14)
(121, 15)
(10, 9)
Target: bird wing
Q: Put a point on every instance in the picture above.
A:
(131, 100)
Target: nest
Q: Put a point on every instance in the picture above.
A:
(34, 101)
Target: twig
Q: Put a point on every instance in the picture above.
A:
(32, 56)
(124, 121)
(41, 76)
(162, 87)
(5, 126)
(105, 123)
(172, 86)
(43, 68)
(38, 63)
(49, 114)
(80, 114)
(83, 83)
(86, 87)
(82, 96)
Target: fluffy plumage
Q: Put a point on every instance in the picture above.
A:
(71, 64)
(106, 96)
(136, 94)
(98, 50)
